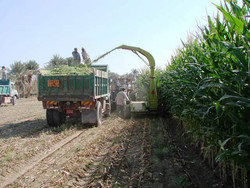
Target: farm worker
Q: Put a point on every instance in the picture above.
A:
(4, 75)
(85, 57)
(76, 56)
(121, 99)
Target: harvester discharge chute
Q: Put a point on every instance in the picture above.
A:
(142, 106)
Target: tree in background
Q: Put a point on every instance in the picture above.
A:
(31, 65)
(16, 68)
(23, 74)
(113, 75)
(69, 60)
(57, 61)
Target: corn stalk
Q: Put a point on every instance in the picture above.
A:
(207, 85)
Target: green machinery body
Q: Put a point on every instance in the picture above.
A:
(152, 104)
(75, 87)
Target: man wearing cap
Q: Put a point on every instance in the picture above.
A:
(121, 99)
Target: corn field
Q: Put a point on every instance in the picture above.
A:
(207, 87)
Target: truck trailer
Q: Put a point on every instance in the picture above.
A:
(83, 96)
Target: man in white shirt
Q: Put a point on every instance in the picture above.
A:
(85, 57)
(121, 101)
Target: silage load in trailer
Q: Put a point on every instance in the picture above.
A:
(66, 70)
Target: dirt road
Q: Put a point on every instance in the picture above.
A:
(122, 153)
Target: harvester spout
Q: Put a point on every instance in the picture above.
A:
(152, 95)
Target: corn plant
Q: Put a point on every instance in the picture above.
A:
(207, 85)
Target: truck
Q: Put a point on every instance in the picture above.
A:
(8, 93)
(84, 96)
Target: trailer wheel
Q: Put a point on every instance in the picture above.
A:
(49, 117)
(57, 118)
(108, 106)
(63, 117)
(98, 113)
(14, 100)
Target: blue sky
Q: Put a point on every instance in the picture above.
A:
(38, 29)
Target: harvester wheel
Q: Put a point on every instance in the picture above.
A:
(49, 117)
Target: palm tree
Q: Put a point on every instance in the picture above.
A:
(31, 65)
(23, 75)
(56, 61)
(16, 68)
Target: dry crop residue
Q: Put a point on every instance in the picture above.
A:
(24, 136)
(153, 153)
(120, 153)
(87, 150)
(25, 109)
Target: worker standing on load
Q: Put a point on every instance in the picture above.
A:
(76, 56)
(85, 57)
(4, 75)
(121, 101)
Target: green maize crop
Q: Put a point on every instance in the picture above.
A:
(207, 85)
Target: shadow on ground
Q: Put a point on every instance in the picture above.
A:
(34, 128)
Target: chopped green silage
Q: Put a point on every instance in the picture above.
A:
(65, 70)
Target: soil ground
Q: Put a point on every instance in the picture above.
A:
(136, 152)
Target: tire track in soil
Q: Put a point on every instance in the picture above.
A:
(26, 137)
(13, 139)
(134, 161)
(23, 136)
(155, 154)
(86, 176)
(126, 163)
(90, 159)
(37, 159)
(48, 168)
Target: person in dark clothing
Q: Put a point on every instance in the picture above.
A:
(4, 75)
(76, 56)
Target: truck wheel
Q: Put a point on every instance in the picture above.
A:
(57, 118)
(49, 117)
(98, 113)
(14, 100)
(108, 106)
(63, 117)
